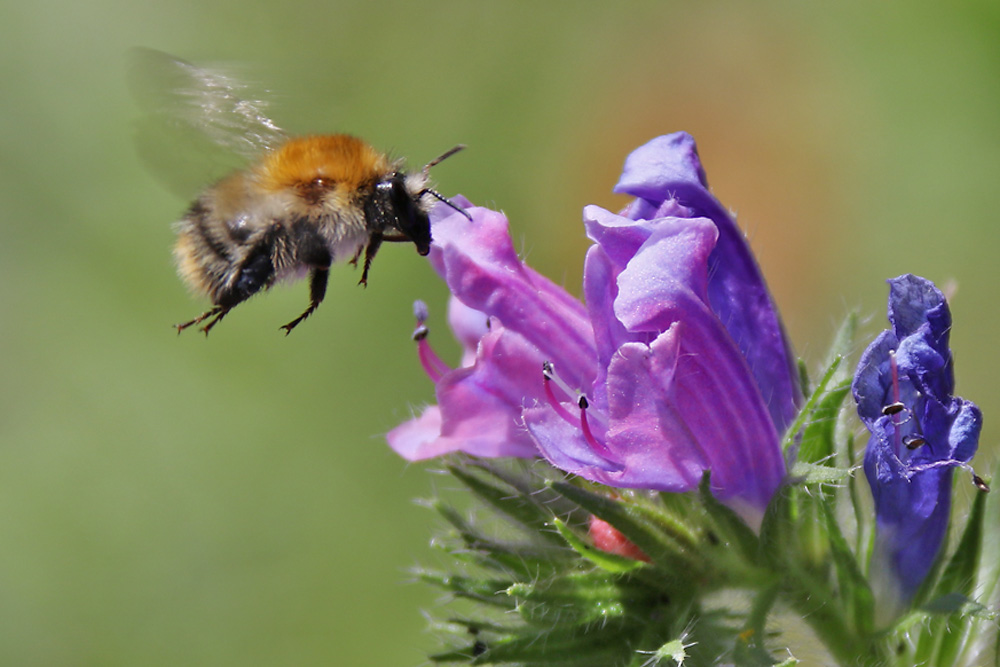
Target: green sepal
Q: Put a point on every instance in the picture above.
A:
(517, 506)
(658, 540)
(807, 414)
(855, 593)
(562, 646)
(946, 632)
(528, 559)
(959, 575)
(730, 529)
(608, 562)
(666, 541)
(484, 591)
(817, 443)
(777, 530)
(817, 473)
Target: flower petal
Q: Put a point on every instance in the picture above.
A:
(674, 377)
(478, 261)
(667, 172)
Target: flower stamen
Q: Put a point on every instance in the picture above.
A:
(893, 408)
(588, 435)
(548, 377)
(583, 423)
(431, 362)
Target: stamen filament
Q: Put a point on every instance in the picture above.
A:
(547, 380)
(599, 447)
(897, 436)
(432, 363)
(549, 371)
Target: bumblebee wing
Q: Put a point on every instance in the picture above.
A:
(197, 123)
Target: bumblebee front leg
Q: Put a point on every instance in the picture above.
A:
(374, 243)
(317, 290)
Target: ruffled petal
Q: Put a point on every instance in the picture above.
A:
(478, 262)
(667, 172)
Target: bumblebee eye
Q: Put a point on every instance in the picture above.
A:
(411, 220)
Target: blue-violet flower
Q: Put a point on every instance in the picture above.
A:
(920, 432)
(677, 362)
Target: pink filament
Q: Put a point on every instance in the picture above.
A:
(556, 405)
(432, 363)
(588, 435)
(897, 435)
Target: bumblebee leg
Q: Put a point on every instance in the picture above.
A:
(215, 320)
(373, 245)
(216, 313)
(255, 274)
(317, 290)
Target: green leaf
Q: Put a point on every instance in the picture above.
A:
(606, 561)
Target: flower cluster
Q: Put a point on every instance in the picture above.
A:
(677, 363)
(674, 374)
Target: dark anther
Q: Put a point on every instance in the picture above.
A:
(893, 408)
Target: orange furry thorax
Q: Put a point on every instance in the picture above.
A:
(337, 160)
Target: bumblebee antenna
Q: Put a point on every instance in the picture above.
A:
(437, 195)
(441, 158)
(441, 198)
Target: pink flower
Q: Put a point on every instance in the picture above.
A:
(676, 364)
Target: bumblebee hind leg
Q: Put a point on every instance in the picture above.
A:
(255, 273)
(216, 314)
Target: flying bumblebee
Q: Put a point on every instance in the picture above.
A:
(303, 203)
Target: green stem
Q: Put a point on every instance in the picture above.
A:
(827, 621)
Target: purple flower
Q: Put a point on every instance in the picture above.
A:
(920, 431)
(677, 363)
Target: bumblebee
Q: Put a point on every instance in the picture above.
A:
(303, 204)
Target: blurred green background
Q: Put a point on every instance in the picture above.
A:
(172, 500)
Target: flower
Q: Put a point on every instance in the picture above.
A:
(904, 389)
(677, 364)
